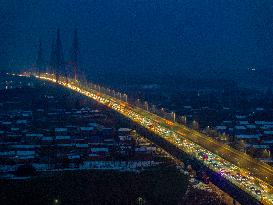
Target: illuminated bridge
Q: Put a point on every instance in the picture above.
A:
(247, 174)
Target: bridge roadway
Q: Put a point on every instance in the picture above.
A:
(240, 159)
(252, 176)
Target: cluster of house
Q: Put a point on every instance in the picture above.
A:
(255, 134)
(58, 139)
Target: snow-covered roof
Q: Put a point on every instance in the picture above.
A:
(227, 122)
(62, 137)
(260, 146)
(107, 128)
(187, 107)
(47, 138)
(40, 110)
(13, 135)
(263, 122)
(86, 128)
(81, 145)
(60, 129)
(26, 114)
(240, 116)
(21, 122)
(268, 132)
(264, 127)
(71, 126)
(93, 124)
(124, 129)
(151, 148)
(25, 146)
(251, 126)
(109, 140)
(145, 149)
(95, 111)
(14, 129)
(49, 96)
(65, 145)
(221, 127)
(246, 136)
(243, 122)
(7, 153)
(122, 138)
(52, 113)
(140, 149)
(6, 123)
(93, 155)
(25, 152)
(268, 142)
(99, 149)
(74, 156)
(34, 135)
(240, 127)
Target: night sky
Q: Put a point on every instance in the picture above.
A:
(189, 37)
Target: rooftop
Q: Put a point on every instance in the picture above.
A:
(124, 129)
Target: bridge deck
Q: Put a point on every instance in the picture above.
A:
(252, 176)
(257, 168)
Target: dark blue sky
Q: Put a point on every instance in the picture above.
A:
(201, 37)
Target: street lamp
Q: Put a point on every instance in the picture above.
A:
(141, 201)
(146, 105)
(153, 108)
(183, 119)
(195, 124)
(126, 97)
(174, 116)
(56, 201)
(114, 93)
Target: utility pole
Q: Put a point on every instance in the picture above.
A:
(39, 61)
(51, 69)
(58, 64)
(75, 54)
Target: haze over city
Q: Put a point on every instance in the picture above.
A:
(138, 102)
(204, 39)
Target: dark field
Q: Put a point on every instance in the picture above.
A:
(155, 186)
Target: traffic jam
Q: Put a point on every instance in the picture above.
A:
(237, 176)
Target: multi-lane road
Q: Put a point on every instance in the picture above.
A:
(257, 168)
(252, 176)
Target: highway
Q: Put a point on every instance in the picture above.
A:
(260, 169)
(251, 176)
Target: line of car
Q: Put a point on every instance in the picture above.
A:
(241, 178)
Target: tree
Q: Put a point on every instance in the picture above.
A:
(25, 171)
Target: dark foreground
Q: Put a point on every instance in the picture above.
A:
(156, 186)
